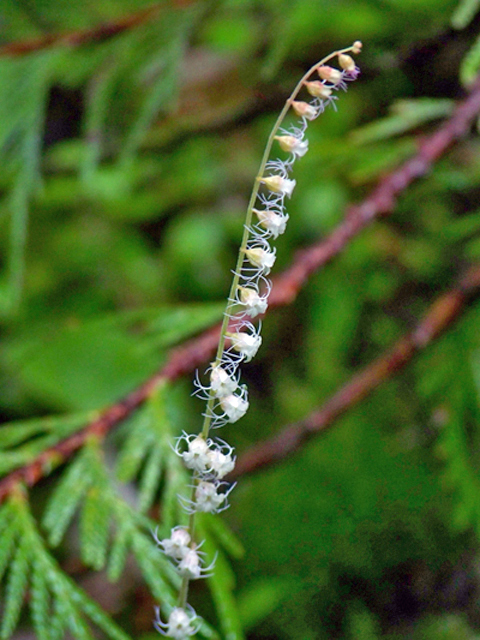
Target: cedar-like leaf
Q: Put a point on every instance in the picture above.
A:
(65, 498)
(94, 528)
(15, 433)
(136, 446)
(154, 567)
(119, 550)
(470, 64)
(221, 588)
(40, 603)
(95, 613)
(15, 589)
(8, 537)
(150, 479)
(464, 13)
(218, 528)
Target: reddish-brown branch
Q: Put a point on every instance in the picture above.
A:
(439, 317)
(98, 33)
(285, 289)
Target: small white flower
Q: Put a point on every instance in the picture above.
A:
(179, 625)
(246, 344)
(235, 407)
(278, 184)
(263, 259)
(222, 382)
(206, 497)
(292, 144)
(221, 464)
(273, 222)
(254, 303)
(177, 545)
(196, 456)
(190, 565)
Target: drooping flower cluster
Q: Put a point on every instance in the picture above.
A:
(210, 459)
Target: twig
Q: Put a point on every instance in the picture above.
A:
(439, 317)
(285, 289)
(96, 34)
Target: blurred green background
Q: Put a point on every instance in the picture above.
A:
(127, 161)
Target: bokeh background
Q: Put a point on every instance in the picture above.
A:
(130, 134)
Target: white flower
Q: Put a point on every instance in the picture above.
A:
(273, 222)
(304, 110)
(292, 144)
(221, 464)
(206, 497)
(179, 624)
(177, 545)
(263, 259)
(222, 383)
(235, 407)
(254, 303)
(190, 566)
(245, 343)
(278, 184)
(196, 456)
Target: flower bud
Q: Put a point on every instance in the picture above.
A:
(294, 145)
(318, 89)
(330, 74)
(277, 184)
(260, 258)
(357, 47)
(304, 110)
(346, 62)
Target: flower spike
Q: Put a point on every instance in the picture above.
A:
(210, 460)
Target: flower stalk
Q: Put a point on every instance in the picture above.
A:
(211, 459)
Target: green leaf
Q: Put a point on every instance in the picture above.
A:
(8, 536)
(222, 533)
(125, 348)
(119, 550)
(221, 585)
(94, 528)
(137, 444)
(464, 13)
(150, 479)
(470, 67)
(261, 598)
(15, 589)
(14, 433)
(40, 603)
(405, 116)
(96, 614)
(64, 501)
(154, 566)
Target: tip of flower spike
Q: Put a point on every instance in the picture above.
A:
(357, 46)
